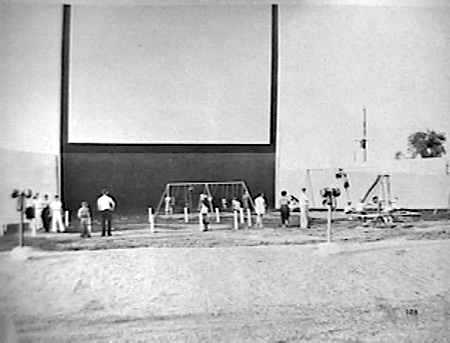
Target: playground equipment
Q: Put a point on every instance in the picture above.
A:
(379, 208)
(377, 205)
(184, 197)
(329, 200)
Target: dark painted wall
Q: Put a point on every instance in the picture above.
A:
(137, 179)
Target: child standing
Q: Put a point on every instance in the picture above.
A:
(84, 214)
(235, 204)
(260, 209)
(168, 205)
(204, 209)
(284, 209)
(246, 200)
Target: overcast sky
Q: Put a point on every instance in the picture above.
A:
(333, 61)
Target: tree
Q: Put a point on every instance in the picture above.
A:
(427, 144)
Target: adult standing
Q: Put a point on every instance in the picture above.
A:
(106, 205)
(46, 214)
(260, 209)
(304, 209)
(56, 209)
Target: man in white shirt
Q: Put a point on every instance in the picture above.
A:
(105, 204)
(56, 211)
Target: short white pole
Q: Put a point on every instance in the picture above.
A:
(249, 217)
(235, 220)
(2, 230)
(200, 222)
(33, 227)
(151, 220)
(186, 215)
(329, 225)
(66, 218)
(217, 215)
(241, 215)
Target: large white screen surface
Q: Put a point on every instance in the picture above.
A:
(170, 75)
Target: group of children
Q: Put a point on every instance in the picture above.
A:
(259, 205)
(43, 213)
(169, 203)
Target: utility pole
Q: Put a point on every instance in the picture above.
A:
(364, 139)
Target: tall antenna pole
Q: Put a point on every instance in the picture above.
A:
(364, 140)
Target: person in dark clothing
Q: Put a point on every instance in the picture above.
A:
(106, 205)
(45, 214)
(284, 209)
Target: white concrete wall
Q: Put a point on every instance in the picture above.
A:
(30, 41)
(336, 59)
(418, 184)
(22, 170)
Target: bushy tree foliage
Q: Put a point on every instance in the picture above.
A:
(427, 144)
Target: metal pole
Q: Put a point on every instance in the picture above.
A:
(329, 224)
(151, 220)
(21, 235)
(365, 134)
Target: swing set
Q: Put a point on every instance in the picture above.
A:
(179, 196)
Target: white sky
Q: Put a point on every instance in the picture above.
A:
(336, 60)
(333, 61)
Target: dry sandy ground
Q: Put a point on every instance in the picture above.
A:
(338, 292)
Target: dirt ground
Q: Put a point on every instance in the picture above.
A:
(249, 285)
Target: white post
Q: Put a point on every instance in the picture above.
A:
(151, 220)
(241, 215)
(2, 230)
(200, 222)
(33, 227)
(249, 217)
(186, 215)
(217, 215)
(329, 224)
(66, 218)
(235, 220)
